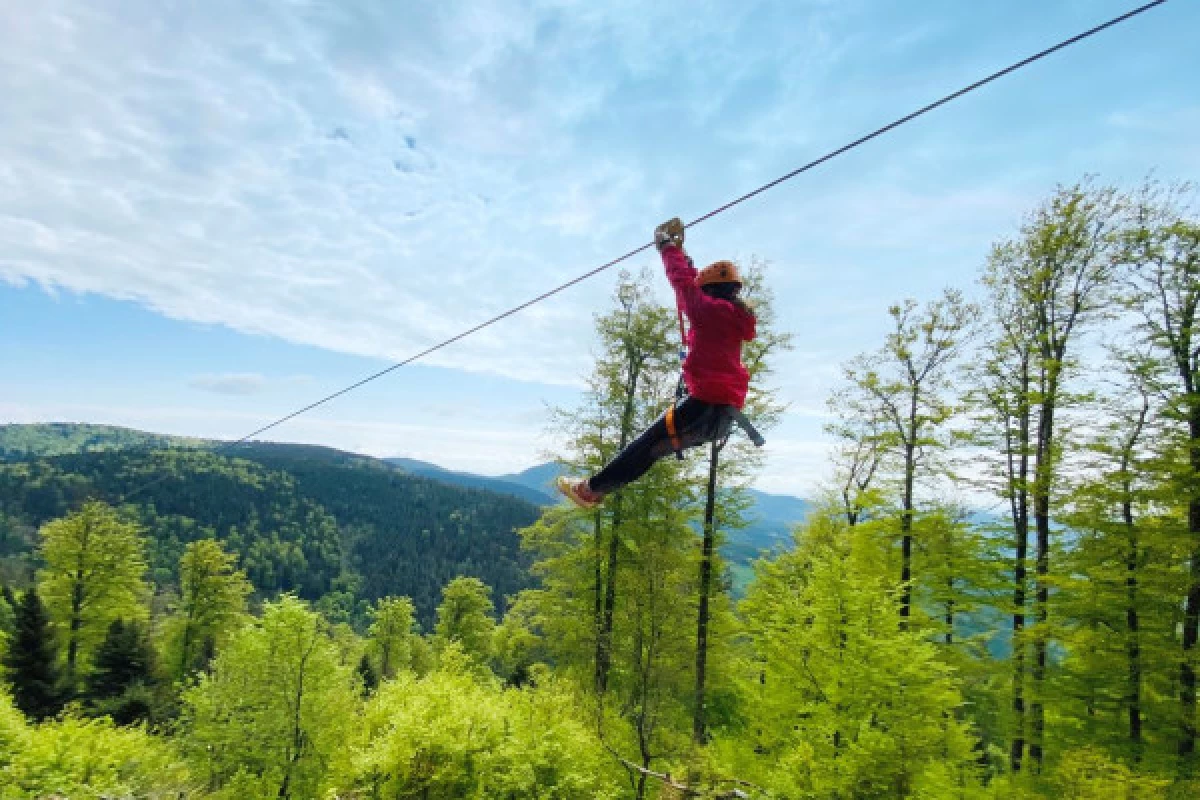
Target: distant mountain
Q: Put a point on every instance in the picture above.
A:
(540, 478)
(501, 485)
(774, 516)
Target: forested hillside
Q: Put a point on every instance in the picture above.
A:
(323, 523)
(58, 438)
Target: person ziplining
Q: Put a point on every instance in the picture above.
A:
(689, 414)
(720, 321)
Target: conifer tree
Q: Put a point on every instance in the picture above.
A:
(123, 671)
(94, 573)
(31, 662)
(367, 674)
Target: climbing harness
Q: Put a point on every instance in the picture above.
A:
(673, 432)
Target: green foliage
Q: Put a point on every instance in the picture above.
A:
(123, 673)
(843, 701)
(277, 714)
(31, 660)
(452, 735)
(78, 758)
(94, 574)
(464, 617)
(393, 636)
(18, 442)
(212, 600)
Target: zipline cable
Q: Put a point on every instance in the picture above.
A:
(719, 210)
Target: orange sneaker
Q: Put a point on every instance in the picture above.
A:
(579, 493)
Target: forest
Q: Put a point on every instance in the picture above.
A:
(996, 593)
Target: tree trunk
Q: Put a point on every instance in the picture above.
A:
(598, 612)
(1133, 645)
(1043, 476)
(1191, 615)
(1017, 750)
(610, 601)
(604, 641)
(950, 611)
(1043, 479)
(706, 559)
(1019, 478)
(906, 519)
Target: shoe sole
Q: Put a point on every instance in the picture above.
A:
(567, 489)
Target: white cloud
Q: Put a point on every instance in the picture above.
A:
(371, 178)
(355, 176)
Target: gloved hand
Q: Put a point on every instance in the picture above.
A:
(670, 232)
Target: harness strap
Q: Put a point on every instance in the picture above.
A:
(743, 422)
(676, 442)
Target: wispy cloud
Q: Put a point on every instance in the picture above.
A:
(372, 177)
(356, 176)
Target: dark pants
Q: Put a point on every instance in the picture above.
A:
(696, 423)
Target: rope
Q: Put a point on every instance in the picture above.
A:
(719, 210)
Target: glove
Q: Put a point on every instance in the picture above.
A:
(670, 232)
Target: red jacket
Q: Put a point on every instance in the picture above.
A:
(713, 370)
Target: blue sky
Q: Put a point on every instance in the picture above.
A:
(212, 214)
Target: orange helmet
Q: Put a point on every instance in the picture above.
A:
(719, 272)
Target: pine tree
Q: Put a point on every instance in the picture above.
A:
(122, 674)
(368, 675)
(31, 662)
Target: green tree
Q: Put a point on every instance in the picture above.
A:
(85, 758)
(1161, 244)
(392, 636)
(94, 573)
(1002, 402)
(902, 395)
(275, 717)
(123, 672)
(1046, 287)
(212, 602)
(8, 606)
(31, 662)
(844, 702)
(454, 734)
(465, 617)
